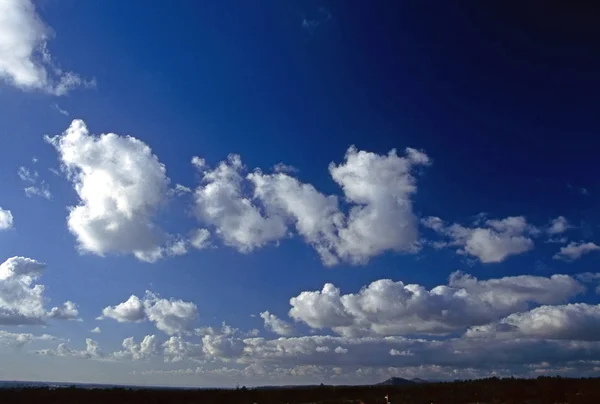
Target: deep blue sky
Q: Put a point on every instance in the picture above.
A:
(502, 99)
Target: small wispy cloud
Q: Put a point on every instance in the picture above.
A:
(60, 110)
(34, 188)
(580, 190)
(311, 24)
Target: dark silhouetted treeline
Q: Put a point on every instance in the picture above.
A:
(493, 390)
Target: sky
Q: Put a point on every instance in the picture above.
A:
(221, 193)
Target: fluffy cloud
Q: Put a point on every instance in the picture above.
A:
(131, 310)
(277, 325)
(558, 225)
(575, 250)
(21, 301)
(25, 61)
(147, 348)
(168, 315)
(6, 219)
(96, 330)
(68, 311)
(20, 339)
(378, 188)
(91, 351)
(578, 321)
(490, 241)
(200, 239)
(388, 308)
(220, 203)
(120, 185)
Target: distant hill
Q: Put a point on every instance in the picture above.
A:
(398, 381)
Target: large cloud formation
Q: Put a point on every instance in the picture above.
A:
(377, 187)
(120, 185)
(22, 301)
(25, 61)
(518, 325)
(388, 308)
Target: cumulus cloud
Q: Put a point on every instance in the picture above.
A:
(200, 239)
(490, 241)
(92, 351)
(377, 187)
(21, 300)
(6, 219)
(120, 185)
(575, 251)
(578, 321)
(370, 355)
(220, 203)
(68, 311)
(131, 310)
(20, 339)
(277, 325)
(25, 61)
(96, 330)
(171, 316)
(387, 308)
(144, 350)
(168, 315)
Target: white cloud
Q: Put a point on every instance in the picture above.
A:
(21, 339)
(579, 321)
(31, 177)
(148, 348)
(6, 219)
(25, 61)
(220, 203)
(175, 349)
(42, 191)
(378, 188)
(493, 242)
(120, 185)
(575, 250)
(68, 311)
(27, 175)
(96, 330)
(61, 111)
(180, 190)
(558, 225)
(389, 308)
(21, 301)
(168, 315)
(284, 168)
(177, 247)
(200, 239)
(277, 325)
(131, 310)
(91, 351)
(340, 351)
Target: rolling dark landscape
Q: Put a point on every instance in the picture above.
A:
(543, 390)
